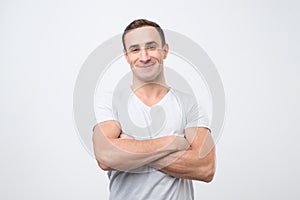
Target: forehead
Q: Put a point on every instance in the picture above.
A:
(142, 35)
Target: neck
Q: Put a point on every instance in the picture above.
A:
(150, 92)
(151, 87)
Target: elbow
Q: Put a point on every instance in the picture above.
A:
(206, 172)
(103, 167)
(104, 162)
(105, 157)
(209, 167)
(108, 160)
(209, 173)
(209, 176)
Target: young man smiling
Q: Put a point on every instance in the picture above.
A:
(159, 160)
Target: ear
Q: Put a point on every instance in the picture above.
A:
(126, 56)
(166, 50)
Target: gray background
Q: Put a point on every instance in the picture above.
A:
(254, 45)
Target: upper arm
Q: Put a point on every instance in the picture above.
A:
(197, 132)
(201, 141)
(110, 129)
(203, 151)
(102, 132)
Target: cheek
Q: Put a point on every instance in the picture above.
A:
(132, 62)
(160, 58)
(157, 57)
(130, 59)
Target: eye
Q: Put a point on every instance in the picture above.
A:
(151, 47)
(134, 50)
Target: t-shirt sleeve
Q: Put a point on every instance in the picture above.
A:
(103, 107)
(196, 116)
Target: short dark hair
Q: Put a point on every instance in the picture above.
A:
(140, 23)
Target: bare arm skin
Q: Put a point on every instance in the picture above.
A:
(113, 152)
(197, 162)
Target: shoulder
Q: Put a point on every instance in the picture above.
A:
(190, 106)
(184, 98)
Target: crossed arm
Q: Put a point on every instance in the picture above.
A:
(197, 162)
(190, 158)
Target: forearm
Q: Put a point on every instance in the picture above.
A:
(163, 144)
(127, 154)
(188, 165)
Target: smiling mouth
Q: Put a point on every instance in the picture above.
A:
(145, 66)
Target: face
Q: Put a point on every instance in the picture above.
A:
(145, 54)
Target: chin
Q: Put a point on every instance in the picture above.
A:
(149, 74)
(148, 77)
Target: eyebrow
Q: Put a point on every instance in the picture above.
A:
(137, 45)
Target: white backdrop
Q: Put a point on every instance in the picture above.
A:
(254, 45)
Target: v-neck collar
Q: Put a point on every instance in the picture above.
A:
(158, 103)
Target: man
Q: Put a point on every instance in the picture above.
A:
(156, 140)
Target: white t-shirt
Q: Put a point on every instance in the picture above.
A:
(175, 112)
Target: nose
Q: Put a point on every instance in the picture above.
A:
(144, 55)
